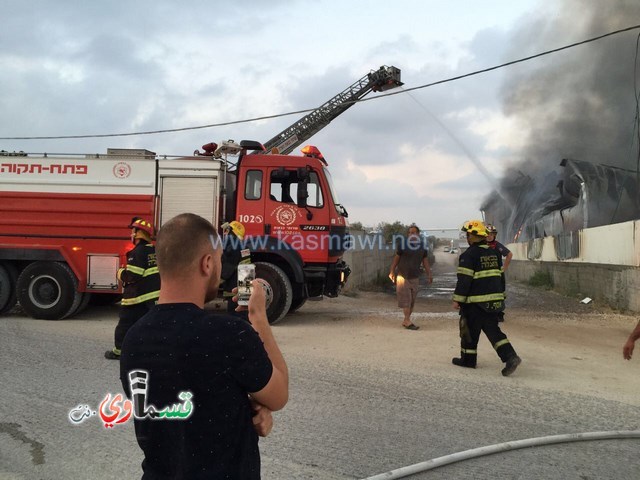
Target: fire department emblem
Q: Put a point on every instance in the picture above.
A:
(285, 215)
(121, 170)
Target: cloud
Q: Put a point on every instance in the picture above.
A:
(499, 132)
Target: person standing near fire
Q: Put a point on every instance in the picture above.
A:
(140, 281)
(492, 231)
(405, 273)
(479, 296)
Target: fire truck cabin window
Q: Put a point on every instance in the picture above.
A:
(284, 188)
(253, 187)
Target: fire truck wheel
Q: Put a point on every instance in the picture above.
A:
(296, 304)
(279, 284)
(85, 299)
(8, 277)
(48, 290)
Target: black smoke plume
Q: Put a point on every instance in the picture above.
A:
(578, 104)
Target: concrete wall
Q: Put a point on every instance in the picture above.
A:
(603, 263)
(614, 285)
(367, 260)
(617, 244)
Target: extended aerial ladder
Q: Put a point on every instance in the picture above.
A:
(385, 78)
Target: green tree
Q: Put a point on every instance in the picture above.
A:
(356, 226)
(389, 230)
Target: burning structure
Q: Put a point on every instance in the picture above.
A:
(576, 196)
(582, 106)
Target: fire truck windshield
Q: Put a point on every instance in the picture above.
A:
(341, 210)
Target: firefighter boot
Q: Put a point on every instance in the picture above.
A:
(467, 360)
(460, 363)
(112, 354)
(511, 365)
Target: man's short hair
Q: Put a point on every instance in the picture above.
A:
(182, 241)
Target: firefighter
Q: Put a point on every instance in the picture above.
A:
(492, 231)
(140, 281)
(233, 254)
(479, 295)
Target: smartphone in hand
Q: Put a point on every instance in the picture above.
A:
(246, 275)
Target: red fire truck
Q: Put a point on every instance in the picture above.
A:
(63, 218)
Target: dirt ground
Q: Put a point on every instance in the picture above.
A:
(566, 346)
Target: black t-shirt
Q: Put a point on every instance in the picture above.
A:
(218, 359)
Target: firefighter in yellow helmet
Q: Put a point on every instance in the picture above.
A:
(140, 281)
(234, 252)
(479, 295)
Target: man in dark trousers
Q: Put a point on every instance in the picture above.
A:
(479, 295)
(230, 371)
(140, 281)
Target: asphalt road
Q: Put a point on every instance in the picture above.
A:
(345, 419)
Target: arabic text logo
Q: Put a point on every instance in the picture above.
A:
(112, 413)
(116, 410)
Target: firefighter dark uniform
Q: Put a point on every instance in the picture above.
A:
(501, 249)
(493, 243)
(140, 280)
(480, 295)
(233, 254)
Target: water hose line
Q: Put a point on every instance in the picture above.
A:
(503, 447)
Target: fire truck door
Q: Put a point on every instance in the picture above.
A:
(197, 195)
(305, 229)
(251, 203)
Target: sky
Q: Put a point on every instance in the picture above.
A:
(82, 68)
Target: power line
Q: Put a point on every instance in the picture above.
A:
(269, 117)
(513, 62)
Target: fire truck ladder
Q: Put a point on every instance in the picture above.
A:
(385, 78)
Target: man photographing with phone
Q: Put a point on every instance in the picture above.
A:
(234, 370)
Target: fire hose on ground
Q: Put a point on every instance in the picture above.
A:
(503, 447)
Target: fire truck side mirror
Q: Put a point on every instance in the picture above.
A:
(303, 193)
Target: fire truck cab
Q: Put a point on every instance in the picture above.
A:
(295, 225)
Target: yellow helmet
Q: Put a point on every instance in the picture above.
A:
(143, 228)
(236, 227)
(475, 227)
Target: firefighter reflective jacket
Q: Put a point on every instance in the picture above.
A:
(140, 277)
(480, 278)
(233, 254)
